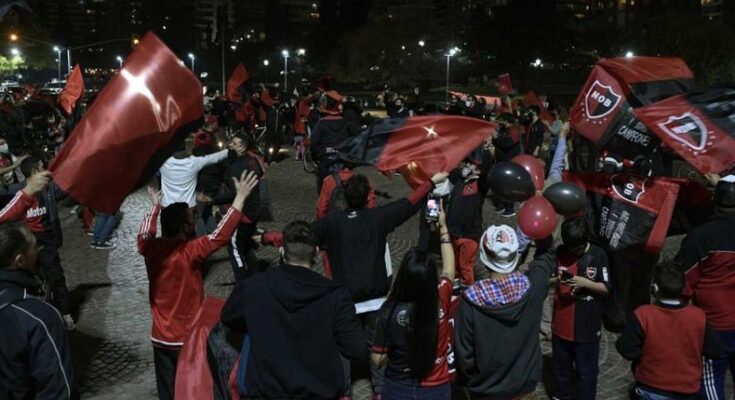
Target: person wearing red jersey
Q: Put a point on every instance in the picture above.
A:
(18, 204)
(174, 266)
(412, 334)
(707, 255)
(667, 340)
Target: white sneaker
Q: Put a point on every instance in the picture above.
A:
(69, 323)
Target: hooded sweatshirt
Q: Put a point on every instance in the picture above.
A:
(496, 332)
(299, 323)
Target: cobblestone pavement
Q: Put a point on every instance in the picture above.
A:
(109, 290)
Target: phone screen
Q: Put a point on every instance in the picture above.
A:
(432, 209)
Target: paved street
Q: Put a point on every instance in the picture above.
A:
(112, 350)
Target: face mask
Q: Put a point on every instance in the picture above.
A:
(443, 188)
(4, 149)
(466, 172)
(469, 103)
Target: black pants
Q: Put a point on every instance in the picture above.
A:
(49, 265)
(368, 321)
(165, 363)
(568, 355)
(241, 249)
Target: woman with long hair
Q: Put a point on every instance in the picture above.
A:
(412, 332)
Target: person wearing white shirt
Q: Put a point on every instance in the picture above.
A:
(179, 176)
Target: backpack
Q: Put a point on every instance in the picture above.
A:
(337, 201)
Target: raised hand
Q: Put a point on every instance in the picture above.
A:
(37, 183)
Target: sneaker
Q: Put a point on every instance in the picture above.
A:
(89, 233)
(69, 323)
(508, 214)
(74, 210)
(104, 246)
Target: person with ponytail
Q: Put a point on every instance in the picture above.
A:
(413, 331)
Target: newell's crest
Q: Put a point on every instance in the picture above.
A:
(688, 129)
(628, 187)
(600, 100)
(590, 272)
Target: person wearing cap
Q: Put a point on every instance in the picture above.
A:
(331, 130)
(583, 279)
(496, 327)
(707, 256)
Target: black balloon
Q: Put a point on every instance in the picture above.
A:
(567, 198)
(510, 182)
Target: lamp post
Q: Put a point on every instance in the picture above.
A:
(284, 53)
(192, 58)
(452, 52)
(58, 60)
(120, 60)
(16, 54)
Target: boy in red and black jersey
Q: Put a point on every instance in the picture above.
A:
(577, 319)
(666, 341)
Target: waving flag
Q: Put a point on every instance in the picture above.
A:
(505, 85)
(137, 121)
(73, 90)
(239, 76)
(603, 111)
(417, 146)
(699, 127)
(626, 211)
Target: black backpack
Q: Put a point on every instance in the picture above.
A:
(337, 201)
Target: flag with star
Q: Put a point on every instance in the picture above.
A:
(603, 111)
(418, 147)
(143, 114)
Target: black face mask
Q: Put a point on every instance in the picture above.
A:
(578, 250)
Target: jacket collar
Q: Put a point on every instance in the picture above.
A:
(18, 278)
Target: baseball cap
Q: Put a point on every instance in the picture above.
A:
(499, 248)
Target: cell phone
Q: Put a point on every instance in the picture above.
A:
(566, 275)
(432, 208)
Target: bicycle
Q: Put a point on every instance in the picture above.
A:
(309, 164)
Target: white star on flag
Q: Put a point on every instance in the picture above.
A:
(430, 132)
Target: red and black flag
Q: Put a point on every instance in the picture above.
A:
(73, 90)
(699, 127)
(626, 211)
(505, 85)
(603, 111)
(417, 146)
(138, 120)
(239, 76)
(531, 99)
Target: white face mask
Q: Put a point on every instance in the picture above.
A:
(443, 188)
(469, 103)
(4, 149)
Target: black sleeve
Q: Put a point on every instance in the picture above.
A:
(630, 343)
(228, 194)
(51, 366)
(464, 339)
(394, 214)
(542, 268)
(348, 332)
(713, 346)
(233, 313)
(316, 138)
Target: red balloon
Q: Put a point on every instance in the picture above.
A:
(534, 167)
(537, 218)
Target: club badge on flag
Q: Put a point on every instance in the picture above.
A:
(138, 120)
(73, 90)
(239, 76)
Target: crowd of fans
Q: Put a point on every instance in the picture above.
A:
(428, 326)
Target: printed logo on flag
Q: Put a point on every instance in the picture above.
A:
(590, 272)
(600, 100)
(628, 187)
(687, 128)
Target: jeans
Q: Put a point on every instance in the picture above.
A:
(644, 394)
(398, 391)
(715, 371)
(103, 227)
(585, 357)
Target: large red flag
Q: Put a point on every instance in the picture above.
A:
(531, 99)
(603, 111)
(239, 76)
(137, 121)
(73, 90)
(505, 85)
(417, 146)
(699, 127)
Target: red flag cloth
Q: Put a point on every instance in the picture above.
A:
(699, 127)
(496, 101)
(603, 110)
(137, 121)
(193, 377)
(531, 99)
(417, 146)
(626, 211)
(239, 76)
(505, 86)
(73, 90)
(265, 98)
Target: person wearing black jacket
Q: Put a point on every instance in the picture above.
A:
(295, 346)
(506, 147)
(35, 356)
(536, 130)
(209, 180)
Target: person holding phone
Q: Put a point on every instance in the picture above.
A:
(576, 325)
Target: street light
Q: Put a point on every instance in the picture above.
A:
(58, 59)
(284, 53)
(192, 58)
(15, 52)
(13, 37)
(120, 60)
(629, 54)
(422, 43)
(301, 52)
(452, 52)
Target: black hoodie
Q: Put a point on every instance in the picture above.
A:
(299, 323)
(497, 346)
